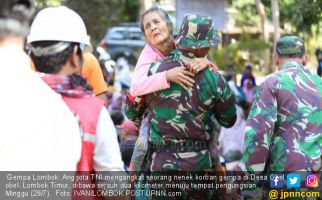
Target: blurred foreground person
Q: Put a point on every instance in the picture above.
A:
(38, 131)
(57, 50)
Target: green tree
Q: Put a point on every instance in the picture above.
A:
(235, 55)
(300, 17)
(45, 3)
(99, 15)
(129, 10)
(303, 15)
(96, 14)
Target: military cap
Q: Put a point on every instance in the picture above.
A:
(290, 46)
(197, 32)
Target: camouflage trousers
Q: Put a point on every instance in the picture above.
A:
(178, 190)
(165, 164)
(141, 149)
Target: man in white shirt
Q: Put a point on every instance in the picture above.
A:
(37, 129)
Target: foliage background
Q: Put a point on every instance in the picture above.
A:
(99, 14)
(300, 17)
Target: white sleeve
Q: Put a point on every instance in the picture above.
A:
(107, 155)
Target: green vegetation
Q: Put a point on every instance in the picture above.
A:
(300, 17)
(303, 15)
(99, 14)
(234, 56)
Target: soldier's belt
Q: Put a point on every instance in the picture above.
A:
(187, 146)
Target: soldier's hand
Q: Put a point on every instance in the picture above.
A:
(199, 64)
(180, 76)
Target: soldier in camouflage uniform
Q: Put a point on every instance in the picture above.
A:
(182, 120)
(284, 126)
(185, 117)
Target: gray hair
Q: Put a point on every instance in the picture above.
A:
(12, 27)
(163, 14)
(14, 17)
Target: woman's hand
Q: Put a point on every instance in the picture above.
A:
(199, 64)
(181, 76)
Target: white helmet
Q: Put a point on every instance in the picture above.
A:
(58, 24)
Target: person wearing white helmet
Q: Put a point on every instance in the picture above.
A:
(33, 117)
(58, 39)
(58, 24)
(43, 30)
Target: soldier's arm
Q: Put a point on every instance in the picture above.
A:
(135, 108)
(259, 129)
(225, 110)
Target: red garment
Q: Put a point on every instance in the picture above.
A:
(128, 126)
(87, 108)
(88, 116)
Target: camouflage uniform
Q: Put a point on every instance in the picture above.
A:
(285, 123)
(284, 126)
(183, 118)
(179, 116)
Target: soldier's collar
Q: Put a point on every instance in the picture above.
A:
(289, 64)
